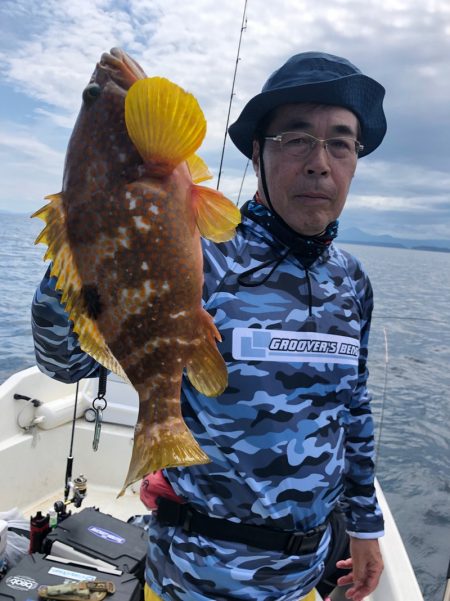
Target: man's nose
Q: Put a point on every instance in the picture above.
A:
(318, 161)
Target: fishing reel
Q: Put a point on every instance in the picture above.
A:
(75, 492)
(79, 487)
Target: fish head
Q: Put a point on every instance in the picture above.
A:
(100, 155)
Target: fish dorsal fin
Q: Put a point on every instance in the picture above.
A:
(216, 216)
(198, 169)
(64, 268)
(164, 122)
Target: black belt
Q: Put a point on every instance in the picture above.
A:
(192, 521)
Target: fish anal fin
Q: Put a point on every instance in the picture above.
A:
(164, 122)
(69, 282)
(198, 169)
(216, 216)
(206, 368)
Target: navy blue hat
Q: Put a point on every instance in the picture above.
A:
(318, 78)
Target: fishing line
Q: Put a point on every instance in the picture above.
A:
(383, 401)
(386, 366)
(243, 28)
(242, 182)
(439, 321)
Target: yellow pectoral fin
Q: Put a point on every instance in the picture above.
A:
(64, 268)
(217, 217)
(164, 122)
(198, 169)
(206, 368)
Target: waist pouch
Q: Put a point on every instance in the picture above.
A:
(192, 521)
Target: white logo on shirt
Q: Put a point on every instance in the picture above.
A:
(280, 345)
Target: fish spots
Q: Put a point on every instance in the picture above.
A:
(165, 287)
(91, 299)
(135, 299)
(154, 209)
(140, 224)
(107, 247)
(123, 238)
(177, 315)
(160, 341)
(144, 266)
(148, 289)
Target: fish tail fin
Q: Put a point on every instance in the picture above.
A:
(206, 368)
(164, 122)
(161, 445)
(216, 216)
(68, 280)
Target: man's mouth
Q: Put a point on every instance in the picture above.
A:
(315, 195)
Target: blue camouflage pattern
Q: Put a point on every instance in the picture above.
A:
(56, 347)
(290, 437)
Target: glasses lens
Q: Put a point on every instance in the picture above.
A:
(300, 144)
(297, 144)
(341, 148)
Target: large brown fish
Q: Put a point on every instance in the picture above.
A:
(124, 238)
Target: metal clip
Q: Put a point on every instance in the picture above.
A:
(98, 405)
(97, 429)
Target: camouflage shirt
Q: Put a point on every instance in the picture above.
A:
(291, 435)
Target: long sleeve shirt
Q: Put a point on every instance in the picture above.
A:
(291, 436)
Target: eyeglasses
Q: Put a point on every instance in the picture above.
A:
(300, 144)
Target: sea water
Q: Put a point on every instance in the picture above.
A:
(409, 378)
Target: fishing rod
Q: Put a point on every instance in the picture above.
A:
(243, 28)
(75, 486)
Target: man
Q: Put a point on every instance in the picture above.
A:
(292, 436)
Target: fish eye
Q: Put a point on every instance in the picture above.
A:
(91, 92)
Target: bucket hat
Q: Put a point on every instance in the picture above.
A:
(319, 78)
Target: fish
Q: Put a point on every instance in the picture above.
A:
(124, 238)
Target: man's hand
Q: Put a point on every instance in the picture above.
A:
(366, 565)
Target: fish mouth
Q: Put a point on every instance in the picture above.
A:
(121, 67)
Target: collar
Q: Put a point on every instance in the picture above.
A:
(305, 248)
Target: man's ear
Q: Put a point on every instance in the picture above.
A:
(255, 157)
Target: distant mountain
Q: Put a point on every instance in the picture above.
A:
(354, 235)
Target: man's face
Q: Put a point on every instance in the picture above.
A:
(309, 192)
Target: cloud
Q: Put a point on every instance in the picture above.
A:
(407, 180)
(29, 168)
(19, 142)
(49, 49)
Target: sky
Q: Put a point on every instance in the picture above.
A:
(48, 50)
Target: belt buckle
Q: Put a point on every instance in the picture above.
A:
(300, 543)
